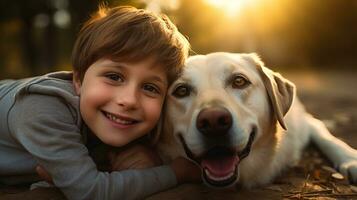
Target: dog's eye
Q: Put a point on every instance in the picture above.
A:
(240, 82)
(182, 91)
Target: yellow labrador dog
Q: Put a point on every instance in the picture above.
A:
(241, 122)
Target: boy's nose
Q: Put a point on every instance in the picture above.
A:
(128, 97)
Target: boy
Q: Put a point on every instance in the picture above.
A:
(123, 61)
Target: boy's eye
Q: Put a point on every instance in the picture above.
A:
(151, 88)
(114, 77)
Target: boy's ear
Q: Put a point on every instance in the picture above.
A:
(76, 84)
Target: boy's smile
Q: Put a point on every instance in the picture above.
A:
(121, 102)
(120, 121)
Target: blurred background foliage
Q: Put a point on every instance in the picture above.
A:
(37, 36)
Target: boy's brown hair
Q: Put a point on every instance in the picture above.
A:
(129, 34)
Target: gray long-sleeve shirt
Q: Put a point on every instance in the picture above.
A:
(40, 123)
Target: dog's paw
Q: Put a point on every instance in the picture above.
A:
(349, 169)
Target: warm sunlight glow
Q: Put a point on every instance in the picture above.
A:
(230, 7)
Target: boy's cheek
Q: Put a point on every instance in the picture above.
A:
(152, 111)
(95, 94)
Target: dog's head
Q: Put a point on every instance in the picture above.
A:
(219, 108)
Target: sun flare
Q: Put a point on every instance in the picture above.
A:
(230, 7)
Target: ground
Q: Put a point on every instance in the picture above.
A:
(330, 97)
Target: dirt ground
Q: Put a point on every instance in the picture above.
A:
(331, 97)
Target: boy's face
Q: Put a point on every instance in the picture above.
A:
(121, 101)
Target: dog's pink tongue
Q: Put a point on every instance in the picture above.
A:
(220, 167)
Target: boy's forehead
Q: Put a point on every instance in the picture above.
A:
(150, 60)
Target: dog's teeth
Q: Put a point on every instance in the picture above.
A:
(218, 178)
(207, 173)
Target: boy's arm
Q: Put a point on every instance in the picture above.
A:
(47, 129)
(136, 158)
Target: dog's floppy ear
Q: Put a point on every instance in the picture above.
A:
(280, 90)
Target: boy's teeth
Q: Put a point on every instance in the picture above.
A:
(121, 121)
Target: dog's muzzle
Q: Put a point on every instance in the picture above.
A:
(219, 163)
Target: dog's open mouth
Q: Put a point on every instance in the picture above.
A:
(220, 164)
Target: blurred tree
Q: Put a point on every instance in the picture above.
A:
(323, 32)
(38, 36)
(283, 32)
(286, 33)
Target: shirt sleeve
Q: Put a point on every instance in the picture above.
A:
(46, 128)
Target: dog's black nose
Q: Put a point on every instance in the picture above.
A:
(214, 121)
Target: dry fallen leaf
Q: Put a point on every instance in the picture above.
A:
(274, 188)
(317, 174)
(328, 169)
(353, 188)
(337, 176)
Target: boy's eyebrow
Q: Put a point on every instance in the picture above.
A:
(158, 79)
(123, 66)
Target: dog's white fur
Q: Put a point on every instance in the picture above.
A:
(269, 102)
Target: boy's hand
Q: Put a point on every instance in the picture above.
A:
(136, 156)
(186, 171)
(44, 174)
